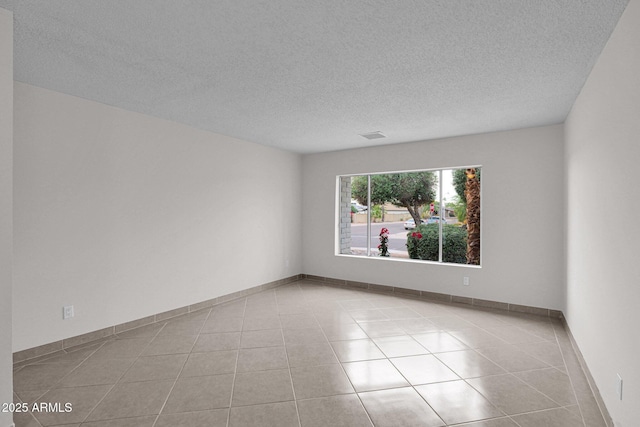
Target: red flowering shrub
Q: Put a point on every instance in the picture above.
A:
(384, 241)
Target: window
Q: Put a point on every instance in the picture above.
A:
(427, 215)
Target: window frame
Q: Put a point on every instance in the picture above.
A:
(370, 254)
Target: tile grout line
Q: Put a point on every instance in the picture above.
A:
(30, 413)
(401, 374)
(537, 369)
(166, 399)
(586, 373)
(573, 388)
(517, 378)
(471, 385)
(235, 369)
(345, 372)
(286, 354)
(514, 421)
(120, 377)
(69, 373)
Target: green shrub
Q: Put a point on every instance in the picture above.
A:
(454, 245)
(376, 212)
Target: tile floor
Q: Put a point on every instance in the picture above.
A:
(310, 355)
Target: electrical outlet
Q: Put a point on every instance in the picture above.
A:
(67, 312)
(465, 281)
(619, 387)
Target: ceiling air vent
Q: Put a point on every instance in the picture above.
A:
(373, 135)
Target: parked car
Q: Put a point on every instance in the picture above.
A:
(410, 224)
(435, 220)
(358, 206)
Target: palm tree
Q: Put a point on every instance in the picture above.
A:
(472, 193)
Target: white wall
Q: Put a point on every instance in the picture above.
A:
(522, 222)
(6, 202)
(603, 276)
(124, 215)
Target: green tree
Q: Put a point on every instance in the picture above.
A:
(460, 185)
(459, 208)
(411, 190)
(377, 212)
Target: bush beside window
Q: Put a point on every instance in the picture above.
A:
(454, 243)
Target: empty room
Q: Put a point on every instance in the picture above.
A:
(343, 213)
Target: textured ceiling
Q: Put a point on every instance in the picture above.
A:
(309, 76)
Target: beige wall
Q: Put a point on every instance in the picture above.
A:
(603, 277)
(6, 207)
(361, 218)
(118, 214)
(523, 258)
